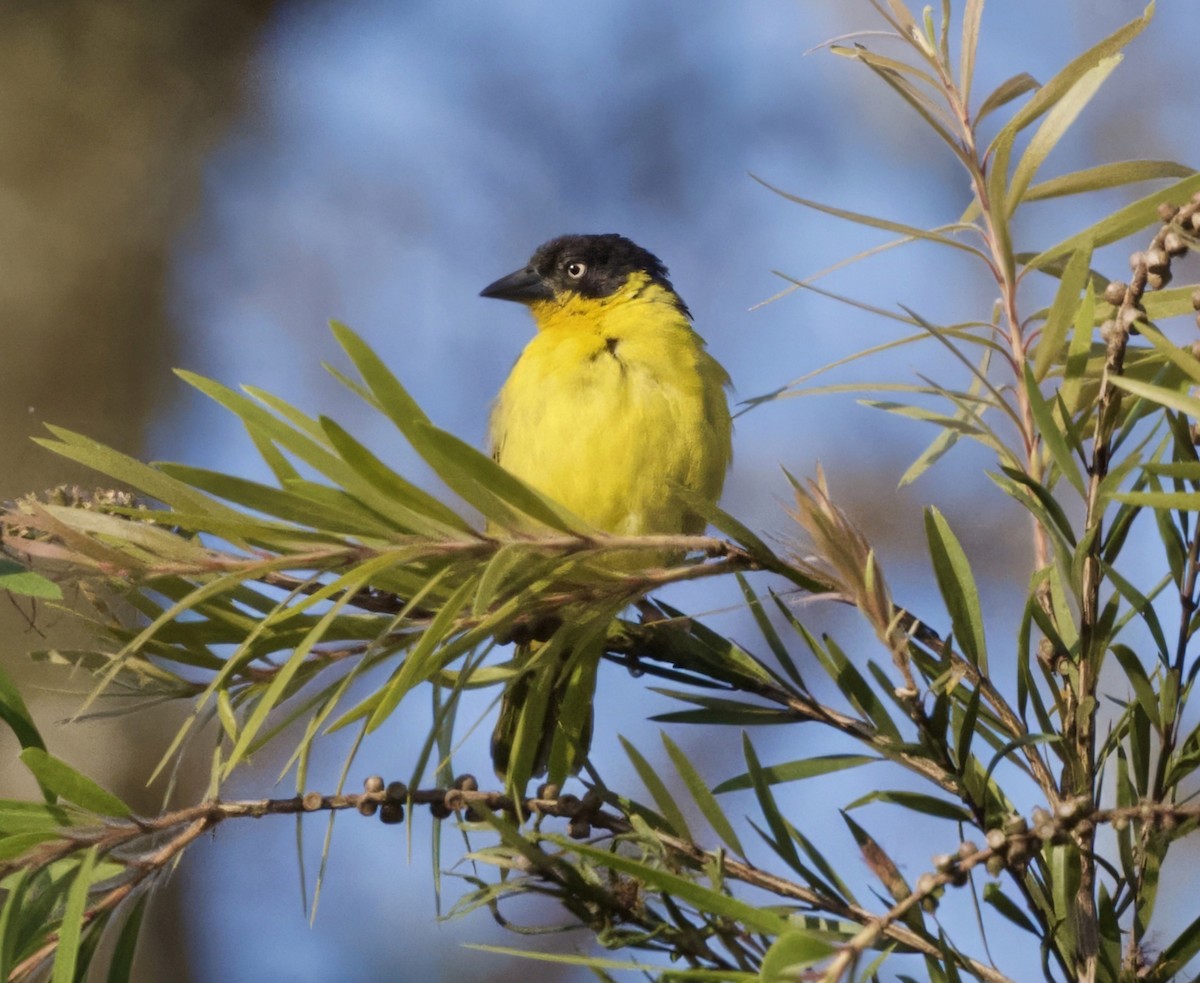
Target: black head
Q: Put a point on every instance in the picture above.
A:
(588, 265)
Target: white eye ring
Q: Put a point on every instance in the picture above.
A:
(576, 270)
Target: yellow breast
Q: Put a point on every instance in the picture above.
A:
(613, 407)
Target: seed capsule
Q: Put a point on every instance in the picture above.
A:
(1114, 293)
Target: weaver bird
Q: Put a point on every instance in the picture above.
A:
(616, 411)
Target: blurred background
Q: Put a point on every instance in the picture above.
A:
(205, 184)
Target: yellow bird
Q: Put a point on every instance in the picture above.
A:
(612, 409)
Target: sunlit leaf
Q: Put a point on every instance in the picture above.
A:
(60, 778)
(1060, 117)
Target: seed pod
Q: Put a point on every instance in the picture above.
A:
(391, 813)
(1174, 244)
(1158, 278)
(1157, 259)
(1114, 293)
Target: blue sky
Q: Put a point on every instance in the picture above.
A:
(395, 158)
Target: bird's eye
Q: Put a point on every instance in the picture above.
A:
(576, 270)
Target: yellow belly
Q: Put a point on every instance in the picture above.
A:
(611, 419)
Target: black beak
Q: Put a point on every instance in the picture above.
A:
(524, 286)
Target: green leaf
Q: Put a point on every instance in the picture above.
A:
(1062, 312)
(63, 780)
(1124, 222)
(791, 954)
(917, 802)
(1135, 675)
(1050, 430)
(1059, 118)
(1105, 176)
(703, 796)
(871, 221)
(658, 790)
(958, 588)
(15, 713)
(1178, 954)
(70, 932)
(598, 963)
(972, 15)
(1054, 90)
(795, 771)
(1006, 92)
(705, 899)
(120, 967)
(133, 472)
(15, 579)
(782, 840)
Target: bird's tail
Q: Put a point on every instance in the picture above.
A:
(545, 720)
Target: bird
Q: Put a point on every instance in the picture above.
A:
(616, 410)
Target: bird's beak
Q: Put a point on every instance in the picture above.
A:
(525, 286)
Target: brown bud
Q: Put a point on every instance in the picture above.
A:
(1174, 244)
(1156, 259)
(944, 862)
(467, 783)
(995, 865)
(436, 809)
(926, 883)
(367, 807)
(579, 829)
(1196, 300)
(1137, 260)
(373, 784)
(391, 813)
(1015, 824)
(455, 800)
(396, 792)
(311, 801)
(967, 849)
(472, 815)
(1114, 293)
(996, 839)
(1159, 278)
(1167, 211)
(569, 804)
(548, 791)
(1109, 331)
(1194, 221)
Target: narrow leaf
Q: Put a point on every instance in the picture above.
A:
(703, 796)
(957, 584)
(60, 778)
